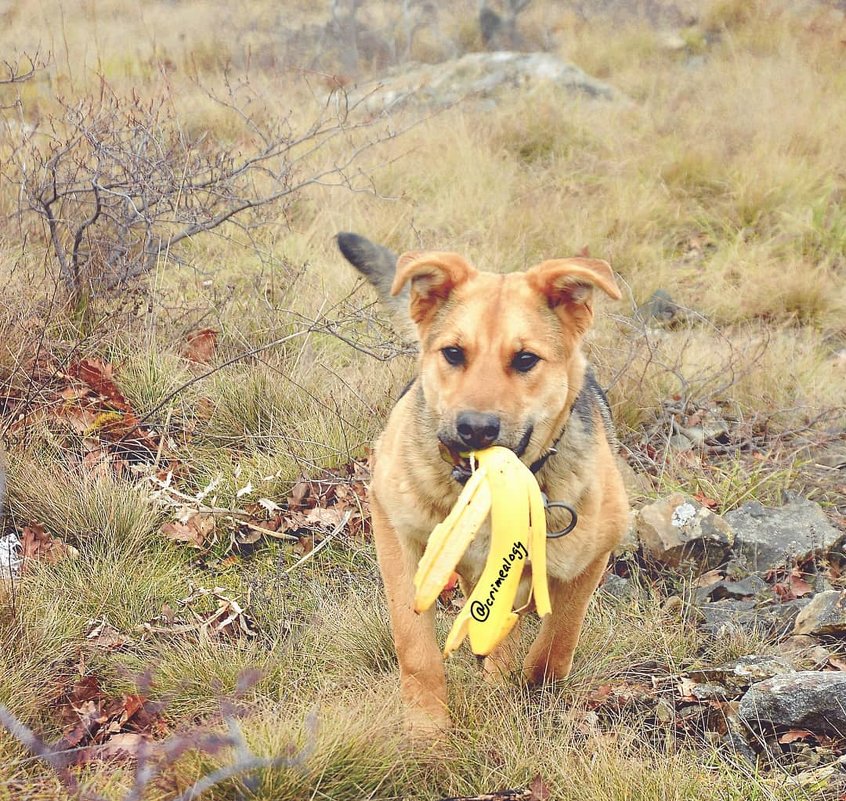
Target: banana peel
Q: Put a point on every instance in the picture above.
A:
(502, 486)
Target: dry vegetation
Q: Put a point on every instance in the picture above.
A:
(722, 182)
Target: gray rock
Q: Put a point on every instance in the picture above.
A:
(739, 675)
(767, 538)
(618, 588)
(806, 699)
(711, 692)
(476, 75)
(719, 590)
(660, 309)
(805, 652)
(679, 530)
(630, 543)
(824, 615)
(722, 617)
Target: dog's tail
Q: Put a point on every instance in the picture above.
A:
(378, 265)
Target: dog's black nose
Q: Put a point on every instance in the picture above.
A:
(477, 429)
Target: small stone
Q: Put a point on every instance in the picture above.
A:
(665, 712)
(672, 41)
(715, 428)
(825, 615)
(737, 676)
(696, 435)
(797, 643)
(680, 443)
(806, 699)
(679, 530)
(617, 587)
(767, 538)
(660, 309)
(711, 692)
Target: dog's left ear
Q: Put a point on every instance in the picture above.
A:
(567, 285)
(433, 276)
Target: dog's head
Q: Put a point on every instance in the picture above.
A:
(501, 358)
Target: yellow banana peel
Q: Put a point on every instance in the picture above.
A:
(504, 487)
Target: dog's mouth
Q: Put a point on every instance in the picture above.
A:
(460, 459)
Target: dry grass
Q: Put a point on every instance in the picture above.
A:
(721, 183)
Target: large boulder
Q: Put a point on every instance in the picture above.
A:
(476, 75)
(677, 530)
(806, 699)
(767, 538)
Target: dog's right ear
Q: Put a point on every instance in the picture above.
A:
(433, 276)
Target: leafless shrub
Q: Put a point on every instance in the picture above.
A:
(119, 182)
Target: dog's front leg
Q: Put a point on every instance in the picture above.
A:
(421, 665)
(551, 654)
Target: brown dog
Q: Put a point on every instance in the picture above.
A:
(500, 364)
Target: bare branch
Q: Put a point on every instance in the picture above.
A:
(23, 70)
(118, 184)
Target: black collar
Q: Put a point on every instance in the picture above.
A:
(551, 450)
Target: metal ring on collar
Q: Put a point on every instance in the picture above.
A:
(574, 518)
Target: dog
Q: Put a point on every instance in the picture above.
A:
(500, 363)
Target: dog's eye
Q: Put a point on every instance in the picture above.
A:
(524, 361)
(454, 356)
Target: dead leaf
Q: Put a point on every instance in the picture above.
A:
(37, 544)
(709, 578)
(304, 545)
(796, 735)
(685, 689)
(194, 532)
(102, 634)
(585, 721)
(599, 696)
(99, 376)
(299, 495)
(710, 503)
(798, 586)
(538, 789)
(201, 345)
(836, 663)
(118, 747)
(327, 518)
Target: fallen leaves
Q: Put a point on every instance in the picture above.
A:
(227, 618)
(197, 530)
(314, 510)
(95, 406)
(99, 727)
(791, 584)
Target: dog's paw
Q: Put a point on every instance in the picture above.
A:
(427, 724)
(537, 673)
